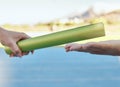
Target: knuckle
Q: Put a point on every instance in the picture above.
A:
(16, 51)
(24, 35)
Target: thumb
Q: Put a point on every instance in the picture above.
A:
(15, 49)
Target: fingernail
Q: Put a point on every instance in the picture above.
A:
(20, 55)
(17, 55)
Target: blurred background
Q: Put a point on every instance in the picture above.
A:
(55, 15)
(53, 67)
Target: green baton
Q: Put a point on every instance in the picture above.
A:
(61, 37)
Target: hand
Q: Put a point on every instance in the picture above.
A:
(10, 39)
(111, 47)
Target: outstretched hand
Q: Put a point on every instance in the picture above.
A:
(111, 47)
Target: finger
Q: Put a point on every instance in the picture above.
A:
(88, 47)
(25, 53)
(67, 50)
(11, 55)
(67, 46)
(32, 51)
(15, 49)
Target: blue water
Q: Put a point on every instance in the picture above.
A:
(53, 67)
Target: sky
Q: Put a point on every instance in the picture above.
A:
(34, 11)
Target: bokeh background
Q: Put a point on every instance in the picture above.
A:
(53, 67)
(55, 15)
